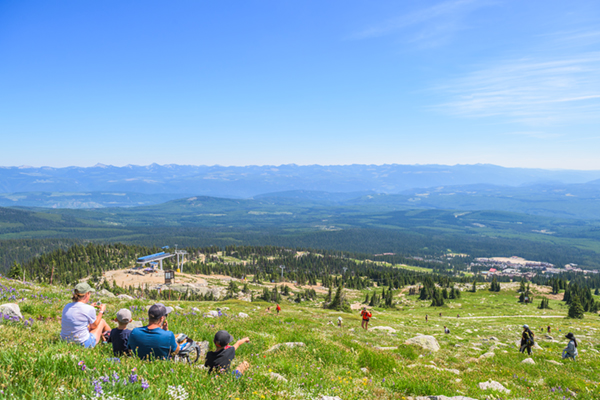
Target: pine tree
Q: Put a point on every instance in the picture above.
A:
(575, 309)
(452, 295)
(522, 286)
(16, 272)
(445, 293)
(474, 288)
(339, 301)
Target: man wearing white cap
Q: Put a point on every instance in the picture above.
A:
(154, 341)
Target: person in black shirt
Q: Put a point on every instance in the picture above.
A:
(119, 337)
(221, 358)
(527, 340)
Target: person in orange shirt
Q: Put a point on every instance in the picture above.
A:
(278, 309)
(366, 316)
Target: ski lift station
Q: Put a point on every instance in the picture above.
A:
(157, 259)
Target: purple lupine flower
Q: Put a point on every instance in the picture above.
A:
(133, 378)
(145, 384)
(97, 387)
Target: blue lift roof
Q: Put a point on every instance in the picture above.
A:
(154, 257)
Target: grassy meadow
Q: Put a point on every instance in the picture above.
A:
(343, 362)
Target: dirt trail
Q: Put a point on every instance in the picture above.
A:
(123, 278)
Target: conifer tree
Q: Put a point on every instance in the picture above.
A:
(575, 309)
(16, 272)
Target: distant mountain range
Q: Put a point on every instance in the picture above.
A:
(250, 181)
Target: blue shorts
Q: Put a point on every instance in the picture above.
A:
(91, 342)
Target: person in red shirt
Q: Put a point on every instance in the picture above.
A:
(366, 316)
(278, 309)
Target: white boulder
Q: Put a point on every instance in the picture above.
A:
(425, 341)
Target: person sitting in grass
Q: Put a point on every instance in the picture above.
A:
(80, 324)
(119, 336)
(154, 341)
(221, 358)
(571, 350)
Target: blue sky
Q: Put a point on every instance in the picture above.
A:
(513, 83)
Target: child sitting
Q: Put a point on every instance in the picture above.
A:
(119, 336)
(221, 359)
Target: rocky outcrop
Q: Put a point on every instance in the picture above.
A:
(11, 310)
(493, 385)
(425, 341)
(106, 293)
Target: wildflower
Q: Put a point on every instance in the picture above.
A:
(97, 387)
(145, 384)
(133, 378)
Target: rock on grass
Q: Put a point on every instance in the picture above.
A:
(287, 344)
(425, 341)
(493, 385)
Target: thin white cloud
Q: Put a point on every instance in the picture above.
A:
(436, 23)
(534, 91)
(536, 134)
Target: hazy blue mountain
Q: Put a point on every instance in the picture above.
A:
(249, 181)
(83, 199)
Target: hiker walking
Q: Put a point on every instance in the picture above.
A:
(527, 340)
(548, 329)
(278, 309)
(366, 316)
(426, 318)
(571, 350)
(446, 330)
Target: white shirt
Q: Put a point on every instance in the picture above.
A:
(75, 320)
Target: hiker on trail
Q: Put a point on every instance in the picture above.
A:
(221, 358)
(340, 322)
(80, 324)
(446, 330)
(366, 316)
(457, 315)
(426, 318)
(571, 350)
(527, 340)
(548, 329)
(278, 309)
(154, 341)
(440, 315)
(119, 336)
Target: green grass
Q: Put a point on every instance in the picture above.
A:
(35, 364)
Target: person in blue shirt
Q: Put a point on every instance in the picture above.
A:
(155, 341)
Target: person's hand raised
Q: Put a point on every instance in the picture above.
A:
(165, 325)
